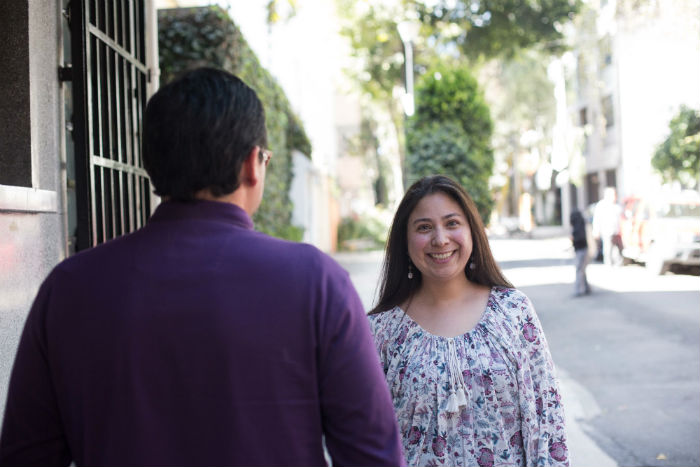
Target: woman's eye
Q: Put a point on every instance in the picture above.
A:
(452, 223)
(424, 228)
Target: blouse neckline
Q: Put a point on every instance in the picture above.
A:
(414, 323)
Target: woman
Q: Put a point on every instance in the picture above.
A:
(463, 351)
(580, 242)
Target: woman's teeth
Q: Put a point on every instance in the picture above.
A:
(441, 255)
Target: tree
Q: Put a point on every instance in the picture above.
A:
(491, 28)
(376, 71)
(678, 157)
(454, 32)
(521, 98)
(450, 133)
(274, 15)
(454, 29)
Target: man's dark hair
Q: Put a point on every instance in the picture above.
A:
(198, 130)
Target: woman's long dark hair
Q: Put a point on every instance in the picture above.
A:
(395, 287)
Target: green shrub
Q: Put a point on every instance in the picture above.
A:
(364, 232)
(206, 36)
(443, 148)
(450, 133)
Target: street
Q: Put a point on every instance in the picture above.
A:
(628, 355)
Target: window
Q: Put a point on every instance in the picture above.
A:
(583, 116)
(573, 196)
(581, 72)
(605, 52)
(610, 178)
(592, 187)
(15, 129)
(608, 113)
(583, 122)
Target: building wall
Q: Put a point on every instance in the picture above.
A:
(32, 238)
(658, 71)
(649, 67)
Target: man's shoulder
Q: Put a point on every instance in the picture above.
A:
(290, 249)
(245, 248)
(95, 256)
(300, 256)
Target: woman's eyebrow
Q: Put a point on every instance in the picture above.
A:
(427, 219)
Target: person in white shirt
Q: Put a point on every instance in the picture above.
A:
(606, 225)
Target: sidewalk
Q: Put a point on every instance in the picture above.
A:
(537, 232)
(579, 404)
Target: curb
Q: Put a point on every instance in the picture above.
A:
(579, 406)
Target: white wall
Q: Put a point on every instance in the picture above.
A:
(302, 53)
(659, 69)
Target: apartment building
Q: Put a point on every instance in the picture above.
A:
(632, 66)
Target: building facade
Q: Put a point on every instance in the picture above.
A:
(632, 67)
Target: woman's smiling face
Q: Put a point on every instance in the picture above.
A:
(439, 238)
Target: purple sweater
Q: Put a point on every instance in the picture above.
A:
(198, 341)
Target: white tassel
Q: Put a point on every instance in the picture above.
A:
(452, 405)
(457, 398)
(461, 397)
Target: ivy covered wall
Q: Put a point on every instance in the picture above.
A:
(206, 36)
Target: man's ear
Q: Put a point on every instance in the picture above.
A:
(252, 168)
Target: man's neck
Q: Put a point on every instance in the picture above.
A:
(238, 197)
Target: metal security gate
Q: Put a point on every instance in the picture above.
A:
(109, 76)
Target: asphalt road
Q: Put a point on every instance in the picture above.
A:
(628, 355)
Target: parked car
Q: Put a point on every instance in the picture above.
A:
(661, 232)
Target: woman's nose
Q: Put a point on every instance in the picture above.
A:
(439, 237)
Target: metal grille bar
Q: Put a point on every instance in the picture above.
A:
(117, 48)
(111, 84)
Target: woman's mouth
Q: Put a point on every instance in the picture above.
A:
(442, 257)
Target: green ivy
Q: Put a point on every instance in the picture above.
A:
(206, 36)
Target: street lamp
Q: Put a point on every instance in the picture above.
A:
(408, 31)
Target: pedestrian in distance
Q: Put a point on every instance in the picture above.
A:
(606, 227)
(463, 352)
(579, 239)
(197, 340)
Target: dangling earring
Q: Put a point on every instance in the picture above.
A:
(410, 271)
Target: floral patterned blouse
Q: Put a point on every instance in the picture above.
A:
(486, 397)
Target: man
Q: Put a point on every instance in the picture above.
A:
(606, 226)
(197, 340)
